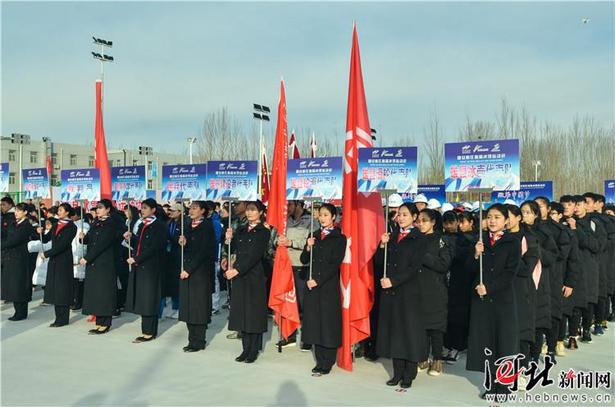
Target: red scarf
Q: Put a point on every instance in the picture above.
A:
(403, 233)
(61, 224)
(197, 222)
(146, 222)
(325, 232)
(494, 237)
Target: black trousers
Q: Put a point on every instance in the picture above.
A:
(149, 325)
(524, 349)
(404, 369)
(552, 334)
(602, 309)
(562, 327)
(77, 292)
(196, 335)
(536, 346)
(62, 314)
(103, 320)
(456, 336)
(21, 309)
(325, 357)
(436, 339)
(252, 343)
(588, 317)
(575, 322)
(121, 293)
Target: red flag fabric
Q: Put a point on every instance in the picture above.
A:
(313, 146)
(282, 298)
(49, 173)
(356, 279)
(102, 161)
(264, 176)
(294, 150)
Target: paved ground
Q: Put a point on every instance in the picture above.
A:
(67, 367)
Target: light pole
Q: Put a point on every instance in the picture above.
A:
(21, 139)
(372, 133)
(191, 142)
(146, 151)
(102, 57)
(260, 113)
(536, 164)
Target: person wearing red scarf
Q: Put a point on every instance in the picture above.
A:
(59, 283)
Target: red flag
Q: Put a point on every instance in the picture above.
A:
(356, 280)
(49, 173)
(102, 162)
(264, 176)
(313, 146)
(282, 297)
(294, 150)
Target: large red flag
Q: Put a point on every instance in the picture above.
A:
(356, 280)
(102, 161)
(264, 176)
(293, 147)
(282, 297)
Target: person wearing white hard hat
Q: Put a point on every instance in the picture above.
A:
(510, 202)
(395, 201)
(420, 201)
(447, 207)
(434, 204)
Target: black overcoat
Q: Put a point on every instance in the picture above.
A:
(16, 279)
(59, 282)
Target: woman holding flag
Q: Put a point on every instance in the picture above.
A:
(494, 331)
(401, 329)
(144, 280)
(248, 310)
(322, 310)
(200, 251)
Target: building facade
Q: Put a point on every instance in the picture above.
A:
(71, 156)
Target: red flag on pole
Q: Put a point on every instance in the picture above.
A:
(282, 297)
(102, 161)
(294, 150)
(313, 146)
(49, 173)
(356, 279)
(264, 176)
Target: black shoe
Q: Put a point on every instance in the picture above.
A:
(251, 359)
(141, 339)
(117, 313)
(102, 331)
(284, 343)
(394, 381)
(371, 356)
(76, 307)
(185, 348)
(325, 371)
(316, 370)
(190, 350)
(306, 347)
(57, 325)
(92, 331)
(241, 358)
(586, 338)
(406, 384)
(16, 318)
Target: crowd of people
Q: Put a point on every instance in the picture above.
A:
(548, 275)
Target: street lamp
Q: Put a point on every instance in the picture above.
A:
(260, 113)
(21, 139)
(146, 151)
(191, 142)
(101, 56)
(536, 164)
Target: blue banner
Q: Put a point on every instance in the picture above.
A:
(4, 177)
(35, 183)
(236, 179)
(482, 164)
(609, 190)
(80, 184)
(388, 168)
(317, 177)
(128, 182)
(528, 191)
(435, 191)
(184, 181)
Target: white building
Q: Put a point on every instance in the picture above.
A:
(69, 156)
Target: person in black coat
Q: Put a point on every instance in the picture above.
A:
(525, 288)
(436, 259)
(322, 310)
(59, 282)
(460, 287)
(144, 280)
(530, 212)
(200, 251)
(16, 280)
(248, 305)
(401, 329)
(7, 215)
(172, 265)
(131, 216)
(100, 286)
(494, 328)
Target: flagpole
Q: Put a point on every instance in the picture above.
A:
(127, 200)
(480, 191)
(312, 200)
(385, 193)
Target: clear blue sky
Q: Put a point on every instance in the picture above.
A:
(178, 61)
